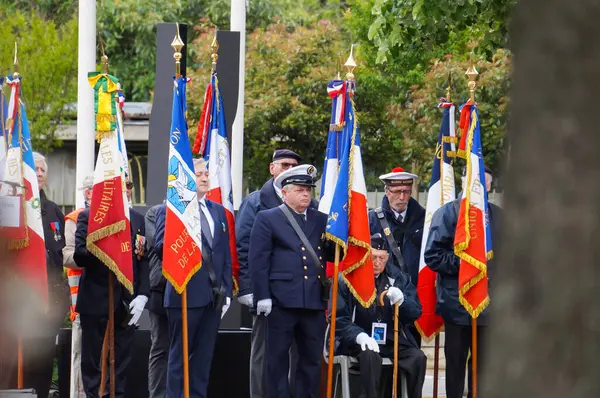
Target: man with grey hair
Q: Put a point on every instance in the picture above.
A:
(286, 261)
(208, 291)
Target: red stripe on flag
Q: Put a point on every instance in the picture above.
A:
(203, 123)
(470, 247)
(357, 266)
(109, 230)
(429, 323)
(181, 256)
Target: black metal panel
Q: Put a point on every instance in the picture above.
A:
(160, 118)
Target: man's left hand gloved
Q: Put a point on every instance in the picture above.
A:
(395, 295)
(225, 306)
(137, 307)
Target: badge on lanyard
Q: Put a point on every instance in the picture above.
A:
(379, 332)
(55, 226)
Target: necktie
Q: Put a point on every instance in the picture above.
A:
(302, 220)
(399, 218)
(205, 226)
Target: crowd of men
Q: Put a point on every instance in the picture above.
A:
(282, 252)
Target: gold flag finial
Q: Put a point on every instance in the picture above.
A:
(449, 88)
(350, 64)
(215, 49)
(103, 58)
(472, 75)
(177, 45)
(16, 62)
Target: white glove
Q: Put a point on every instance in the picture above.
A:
(365, 341)
(137, 307)
(247, 300)
(264, 306)
(395, 295)
(225, 307)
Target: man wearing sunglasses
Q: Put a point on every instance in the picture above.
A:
(268, 197)
(400, 221)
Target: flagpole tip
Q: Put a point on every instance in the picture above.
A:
(350, 64)
(177, 45)
(104, 60)
(472, 75)
(16, 62)
(449, 88)
(215, 49)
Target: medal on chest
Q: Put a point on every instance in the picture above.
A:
(55, 227)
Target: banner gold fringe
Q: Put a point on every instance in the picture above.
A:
(105, 258)
(459, 249)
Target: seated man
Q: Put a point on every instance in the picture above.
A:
(368, 333)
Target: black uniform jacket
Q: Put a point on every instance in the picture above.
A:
(93, 286)
(352, 318)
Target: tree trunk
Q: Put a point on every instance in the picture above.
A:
(545, 341)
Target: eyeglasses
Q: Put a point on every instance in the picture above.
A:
(286, 165)
(400, 192)
(129, 185)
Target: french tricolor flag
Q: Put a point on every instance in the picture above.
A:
(182, 257)
(348, 223)
(216, 152)
(337, 91)
(473, 239)
(26, 236)
(441, 191)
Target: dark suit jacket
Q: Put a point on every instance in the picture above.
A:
(157, 280)
(93, 285)
(199, 288)
(280, 267)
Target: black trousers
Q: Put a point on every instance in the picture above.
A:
(93, 328)
(203, 329)
(456, 349)
(159, 354)
(306, 328)
(412, 362)
(415, 333)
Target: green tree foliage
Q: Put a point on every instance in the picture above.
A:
(129, 29)
(418, 119)
(48, 66)
(414, 44)
(287, 70)
(408, 25)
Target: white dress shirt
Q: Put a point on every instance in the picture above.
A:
(403, 214)
(211, 222)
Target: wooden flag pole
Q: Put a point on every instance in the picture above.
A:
(184, 343)
(436, 349)
(103, 362)
(19, 363)
(332, 326)
(472, 76)
(350, 65)
(474, 356)
(395, 379)
(111, 334)
(177, 45)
